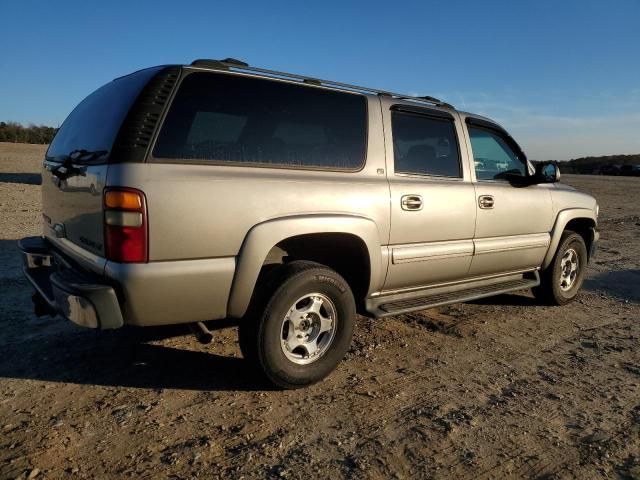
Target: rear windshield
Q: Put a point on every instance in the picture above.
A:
(93, 125)
(240, 120)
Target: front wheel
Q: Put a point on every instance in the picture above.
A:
(305, 327)
(562, 280)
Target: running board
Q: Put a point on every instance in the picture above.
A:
(388, 305)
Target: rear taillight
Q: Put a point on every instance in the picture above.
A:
(125, 225)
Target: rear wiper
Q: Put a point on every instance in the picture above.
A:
(66, 168)
(82, 154)
(77, 155)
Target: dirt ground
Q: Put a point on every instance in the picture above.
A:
(500, 388)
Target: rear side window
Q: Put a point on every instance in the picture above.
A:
(95, 122)
(227, 118)
(424, 145)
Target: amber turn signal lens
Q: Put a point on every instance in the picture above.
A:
(125, 226)
(122, 199)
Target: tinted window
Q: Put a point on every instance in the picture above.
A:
(94, 123)
(218, 117)
(494, 159)
(425, 145)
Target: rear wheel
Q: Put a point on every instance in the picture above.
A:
(563, 278)
(302, 326)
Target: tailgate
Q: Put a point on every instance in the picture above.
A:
(72, 207)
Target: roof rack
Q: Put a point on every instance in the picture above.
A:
(239, 65)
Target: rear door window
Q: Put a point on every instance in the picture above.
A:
(244, 120)
(94, 124)
(425, 145)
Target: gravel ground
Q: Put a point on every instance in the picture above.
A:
(499, 388)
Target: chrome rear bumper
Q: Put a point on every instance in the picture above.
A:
(63, 289)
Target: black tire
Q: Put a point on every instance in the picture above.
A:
(270, 277)
(550, 292)
(261, 331)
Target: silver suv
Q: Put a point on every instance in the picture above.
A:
(190, 193)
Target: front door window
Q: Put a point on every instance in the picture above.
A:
(493, 158)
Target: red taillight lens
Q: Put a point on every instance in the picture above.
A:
(126, 244)
(125, 225)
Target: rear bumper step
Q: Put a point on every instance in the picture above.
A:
(76, 295)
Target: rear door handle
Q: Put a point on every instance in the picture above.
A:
(411, 202)
(485, 201)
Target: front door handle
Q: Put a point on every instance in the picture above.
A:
(485, 201)
(411, 202)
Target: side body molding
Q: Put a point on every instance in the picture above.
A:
(563, 218)
(262, 237)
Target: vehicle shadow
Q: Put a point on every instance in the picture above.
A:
(124, 359)
(622, 284)
(25, 178)
(54, 349)
(518, 298)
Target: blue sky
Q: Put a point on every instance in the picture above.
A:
(562, 76)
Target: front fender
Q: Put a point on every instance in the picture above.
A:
(563, 218)
(262, 237)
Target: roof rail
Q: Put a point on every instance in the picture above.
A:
(239, 65)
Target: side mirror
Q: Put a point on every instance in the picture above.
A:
(547, 172)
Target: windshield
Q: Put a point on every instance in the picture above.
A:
(92, 126)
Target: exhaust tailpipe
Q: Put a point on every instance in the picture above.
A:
(202, 333)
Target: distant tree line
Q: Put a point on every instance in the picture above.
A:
(16, 133)
(594, 165)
